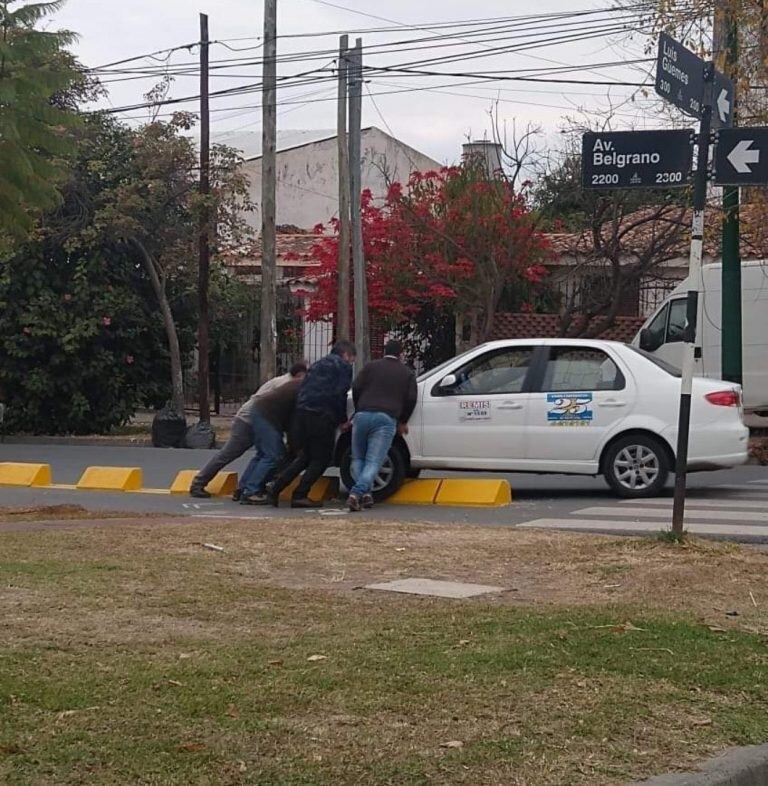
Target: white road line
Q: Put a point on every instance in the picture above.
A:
(596, 525)
(759, 481)
(690, 513)
(698, 502)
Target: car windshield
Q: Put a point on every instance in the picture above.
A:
(443, 365)
(662, 364)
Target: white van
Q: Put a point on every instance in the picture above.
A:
(662, 334)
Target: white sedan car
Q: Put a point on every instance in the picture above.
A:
(567, 406)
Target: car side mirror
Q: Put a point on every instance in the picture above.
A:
(648, 341)
(448, 382)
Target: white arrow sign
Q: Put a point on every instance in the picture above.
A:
(742, 156)
(723, 106)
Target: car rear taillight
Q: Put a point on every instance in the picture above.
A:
(724, 398)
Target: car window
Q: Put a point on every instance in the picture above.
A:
(678, 311)
(500, 371)
(580, 368)
(662, 364)
(658, 328)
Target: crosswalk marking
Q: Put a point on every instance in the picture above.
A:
(606, 525)
(690, 513)
(701, 502)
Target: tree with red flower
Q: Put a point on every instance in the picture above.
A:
(451, 240)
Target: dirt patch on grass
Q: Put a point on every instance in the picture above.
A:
(69, 513)
(722, 585)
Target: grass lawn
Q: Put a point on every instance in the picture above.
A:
(132, 655)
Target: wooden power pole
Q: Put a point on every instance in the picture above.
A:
(342, 311)
(362, 337)
(268, 352)
(205, 230)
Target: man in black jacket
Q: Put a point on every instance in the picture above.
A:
(385, 395)
(320, 409)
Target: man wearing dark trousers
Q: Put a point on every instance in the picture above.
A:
(385, 395)
(320, 409)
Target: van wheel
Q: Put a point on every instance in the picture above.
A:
(636, 466)
(391, 475)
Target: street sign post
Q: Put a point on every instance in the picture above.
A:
(636, 159)
(741, 156)
(682, 77)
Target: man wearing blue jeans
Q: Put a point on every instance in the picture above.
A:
(270, 418)
(385, 395)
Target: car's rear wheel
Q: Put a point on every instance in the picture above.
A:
(636, 466)
(391, 475)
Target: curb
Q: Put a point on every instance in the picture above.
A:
(735, 767)
(437, 491)
(90, 442)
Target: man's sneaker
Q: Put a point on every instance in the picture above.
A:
(237, 495)
(354, 503)
(255, 499)
(198, 492)
(306, 503)
(367, 501)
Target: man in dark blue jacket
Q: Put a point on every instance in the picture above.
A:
(320, 409)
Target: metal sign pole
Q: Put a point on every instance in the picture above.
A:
(694, 272)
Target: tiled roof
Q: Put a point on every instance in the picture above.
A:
(293, 250)
(753, 230)
(508, 325)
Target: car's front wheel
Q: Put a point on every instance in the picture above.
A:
(636, 466)
(391, 475)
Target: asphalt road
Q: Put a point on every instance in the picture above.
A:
(731, 504)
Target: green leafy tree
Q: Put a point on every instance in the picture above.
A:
(154, 211)
(80, 341)
(34, 138)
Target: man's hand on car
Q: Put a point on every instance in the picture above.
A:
(402, 429)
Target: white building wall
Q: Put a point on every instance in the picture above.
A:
(308, 176)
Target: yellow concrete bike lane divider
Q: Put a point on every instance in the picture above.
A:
(449, 492)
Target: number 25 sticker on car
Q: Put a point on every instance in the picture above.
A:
(569, 409)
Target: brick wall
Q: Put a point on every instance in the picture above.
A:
(548, 326)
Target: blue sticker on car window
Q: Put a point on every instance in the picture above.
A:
(569, 407)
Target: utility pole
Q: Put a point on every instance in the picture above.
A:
(694, 274)
(342, 311)
(726, 52)
(204, 269)
(362, 337)
(268, 349)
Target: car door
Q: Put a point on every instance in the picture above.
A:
(473, 416)
(580, 398)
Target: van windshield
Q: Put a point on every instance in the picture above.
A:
(662, 364)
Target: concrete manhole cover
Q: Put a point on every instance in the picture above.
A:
(438, 589)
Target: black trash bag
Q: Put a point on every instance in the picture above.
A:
(201, 436)
(168, 428)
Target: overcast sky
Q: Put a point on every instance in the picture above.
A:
(435, 121)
